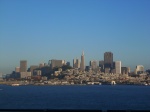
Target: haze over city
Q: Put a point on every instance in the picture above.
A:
(38, 31)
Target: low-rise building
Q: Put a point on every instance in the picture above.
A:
(25, 75)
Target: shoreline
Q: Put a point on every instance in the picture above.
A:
(16, 84)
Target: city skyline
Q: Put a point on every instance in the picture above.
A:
(40, 31)
(79, 63)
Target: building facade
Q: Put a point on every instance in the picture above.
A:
(41, 65)
(118, 67)
(57, 63)
(101, 65)
(17, 69)
(76, 63)
(32, 68)
(139, 69)
(124, 70)
(108, 60)
(82, 67)
(23, 66)
(93, 65)
(25, 75)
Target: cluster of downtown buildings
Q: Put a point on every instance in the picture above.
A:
(106, 66)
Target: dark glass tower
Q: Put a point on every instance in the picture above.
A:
(108, 60)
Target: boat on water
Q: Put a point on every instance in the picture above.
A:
(15, 84)
(145, 84)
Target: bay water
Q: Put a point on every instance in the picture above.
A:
(92, 97)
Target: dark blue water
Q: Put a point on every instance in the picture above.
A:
(104, 97)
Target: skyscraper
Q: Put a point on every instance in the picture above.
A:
(118, 67)
(76, 63)
(23, 66)
(93, 65)
(82, 67)
(108, 60)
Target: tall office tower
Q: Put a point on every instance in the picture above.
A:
(108, 60)
(23, 66)
(93, 65)
(82, 67)
(118, 67)
(76, 63)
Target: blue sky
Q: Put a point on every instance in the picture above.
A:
(40, 30)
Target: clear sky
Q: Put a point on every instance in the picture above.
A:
(40, 30)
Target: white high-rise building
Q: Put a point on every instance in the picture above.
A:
(118, 67)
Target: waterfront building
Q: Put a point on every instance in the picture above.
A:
(17, 69)
(108, 60)
(23, 66)
(76, 63)
(139, 69)
(82, 67)
(118, 67)
(57, 63)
